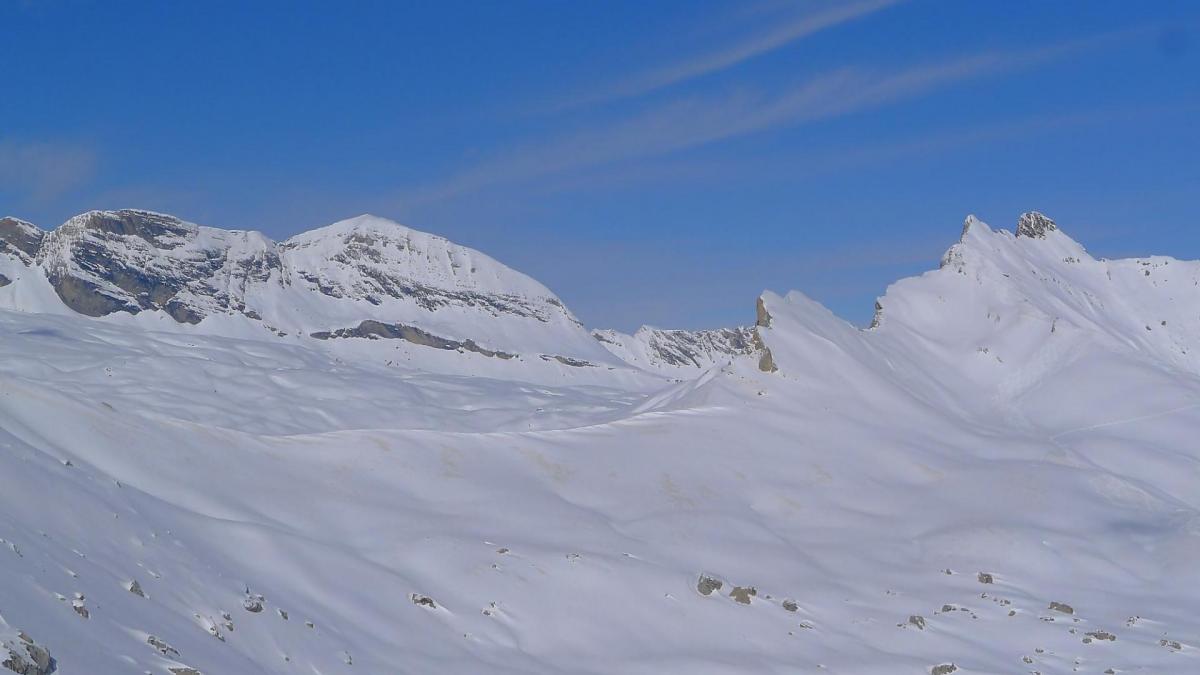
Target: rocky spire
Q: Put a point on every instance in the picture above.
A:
(1034, 225)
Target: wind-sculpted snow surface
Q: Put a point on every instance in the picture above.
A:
(1000, 477)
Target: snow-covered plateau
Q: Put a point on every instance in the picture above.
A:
(366, 449)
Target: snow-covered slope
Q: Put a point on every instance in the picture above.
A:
(999, 477)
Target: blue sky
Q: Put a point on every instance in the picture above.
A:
(652, 162)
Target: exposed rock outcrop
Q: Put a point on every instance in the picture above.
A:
(706, 585)
(1034, 225)
(365, 277)
(677, 351)
(375, 330)
(24, 656)
(20, 239)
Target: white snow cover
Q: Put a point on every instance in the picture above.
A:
(1000, 477)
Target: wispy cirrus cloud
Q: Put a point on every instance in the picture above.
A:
(42, 170)
(688, 123)
(778, 35)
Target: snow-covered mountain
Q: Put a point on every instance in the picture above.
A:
(366, 278)
(998, 476)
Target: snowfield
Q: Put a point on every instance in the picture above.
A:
(1000, 476)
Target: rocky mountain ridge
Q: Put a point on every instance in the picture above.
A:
(365, 277)
(327, 282)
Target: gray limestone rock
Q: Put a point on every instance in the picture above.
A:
(1034, 225)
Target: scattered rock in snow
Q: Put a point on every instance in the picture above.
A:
(282, 614)
(1173, 645)
(1062, 607)
(184, 670)
(742, 594)
(135, 588)
(422, 600)
(917, 620)
(162, 646)
(253, 602)
(1101, 635)
(210, 626)
(985, 578)
(790, 605)
(706, 585)
(943, 669)
(80, 607)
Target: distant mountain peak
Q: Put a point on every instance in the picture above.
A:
(1034, 225)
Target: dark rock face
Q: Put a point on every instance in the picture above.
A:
(20, 239)
(763, 319)
(161, 231)
(4, 281)
(104, 262)
(86, 297)
(26, 657)
(766, 360)
(1034, 225)
(375, 330)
